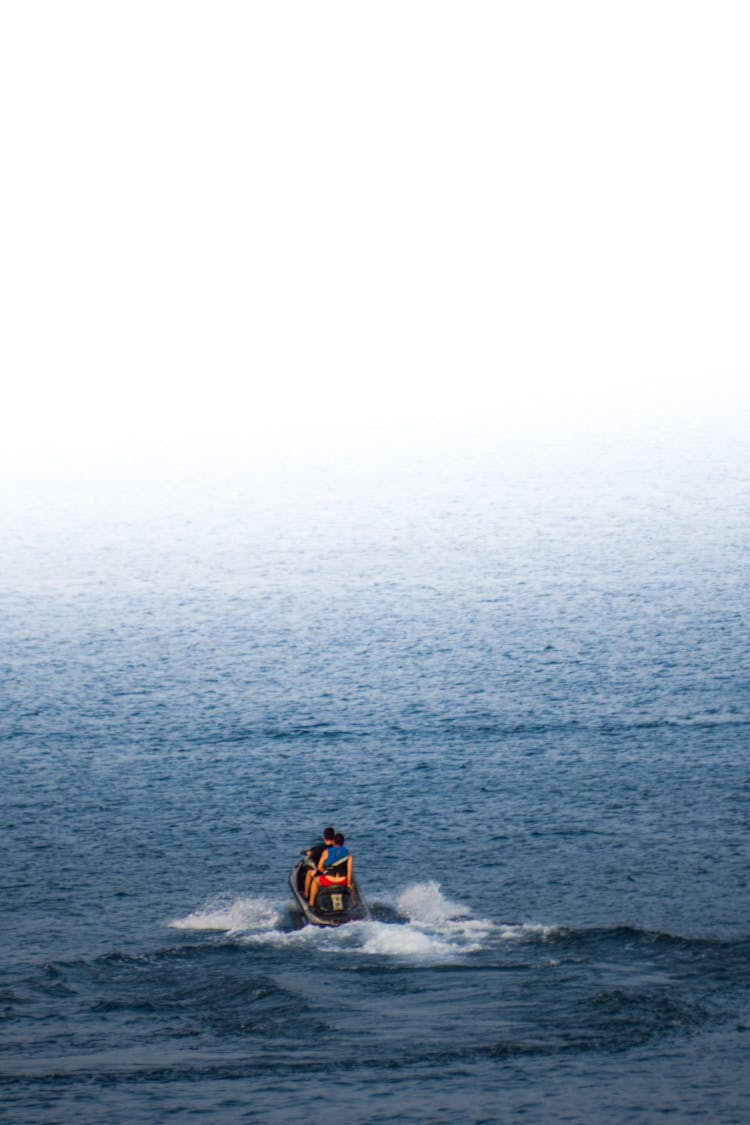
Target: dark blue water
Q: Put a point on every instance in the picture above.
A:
(517, 677)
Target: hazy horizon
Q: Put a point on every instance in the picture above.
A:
(239, 229)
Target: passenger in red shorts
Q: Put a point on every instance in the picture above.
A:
(334, 868)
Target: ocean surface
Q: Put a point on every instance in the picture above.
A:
(516, 675)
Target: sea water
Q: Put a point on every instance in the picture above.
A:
(516, 674)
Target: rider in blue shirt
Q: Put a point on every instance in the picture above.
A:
(334, 868)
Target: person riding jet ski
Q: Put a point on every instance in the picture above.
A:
(334, 869)
(314, 853)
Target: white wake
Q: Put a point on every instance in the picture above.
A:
(427, 926)
(233, 916)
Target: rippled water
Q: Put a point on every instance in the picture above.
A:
(518, 678)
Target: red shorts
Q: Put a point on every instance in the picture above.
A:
(327, 881)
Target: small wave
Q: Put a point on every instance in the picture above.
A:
(633, 937)
(707, 720)
(378, 939)
(425, 904)
(408, 942)
(311, 730)
(448, 923)
(528, 931)
(233, 916)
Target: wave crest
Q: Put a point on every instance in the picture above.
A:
(233, 916)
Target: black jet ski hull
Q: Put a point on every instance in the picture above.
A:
(334, 905)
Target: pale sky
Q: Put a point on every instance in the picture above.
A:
(229, 223)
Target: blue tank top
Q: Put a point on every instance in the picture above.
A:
(335, 854)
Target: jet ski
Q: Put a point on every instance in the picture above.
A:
(333, 906)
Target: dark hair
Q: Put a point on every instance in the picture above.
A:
(338, 839)
(328, 833)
